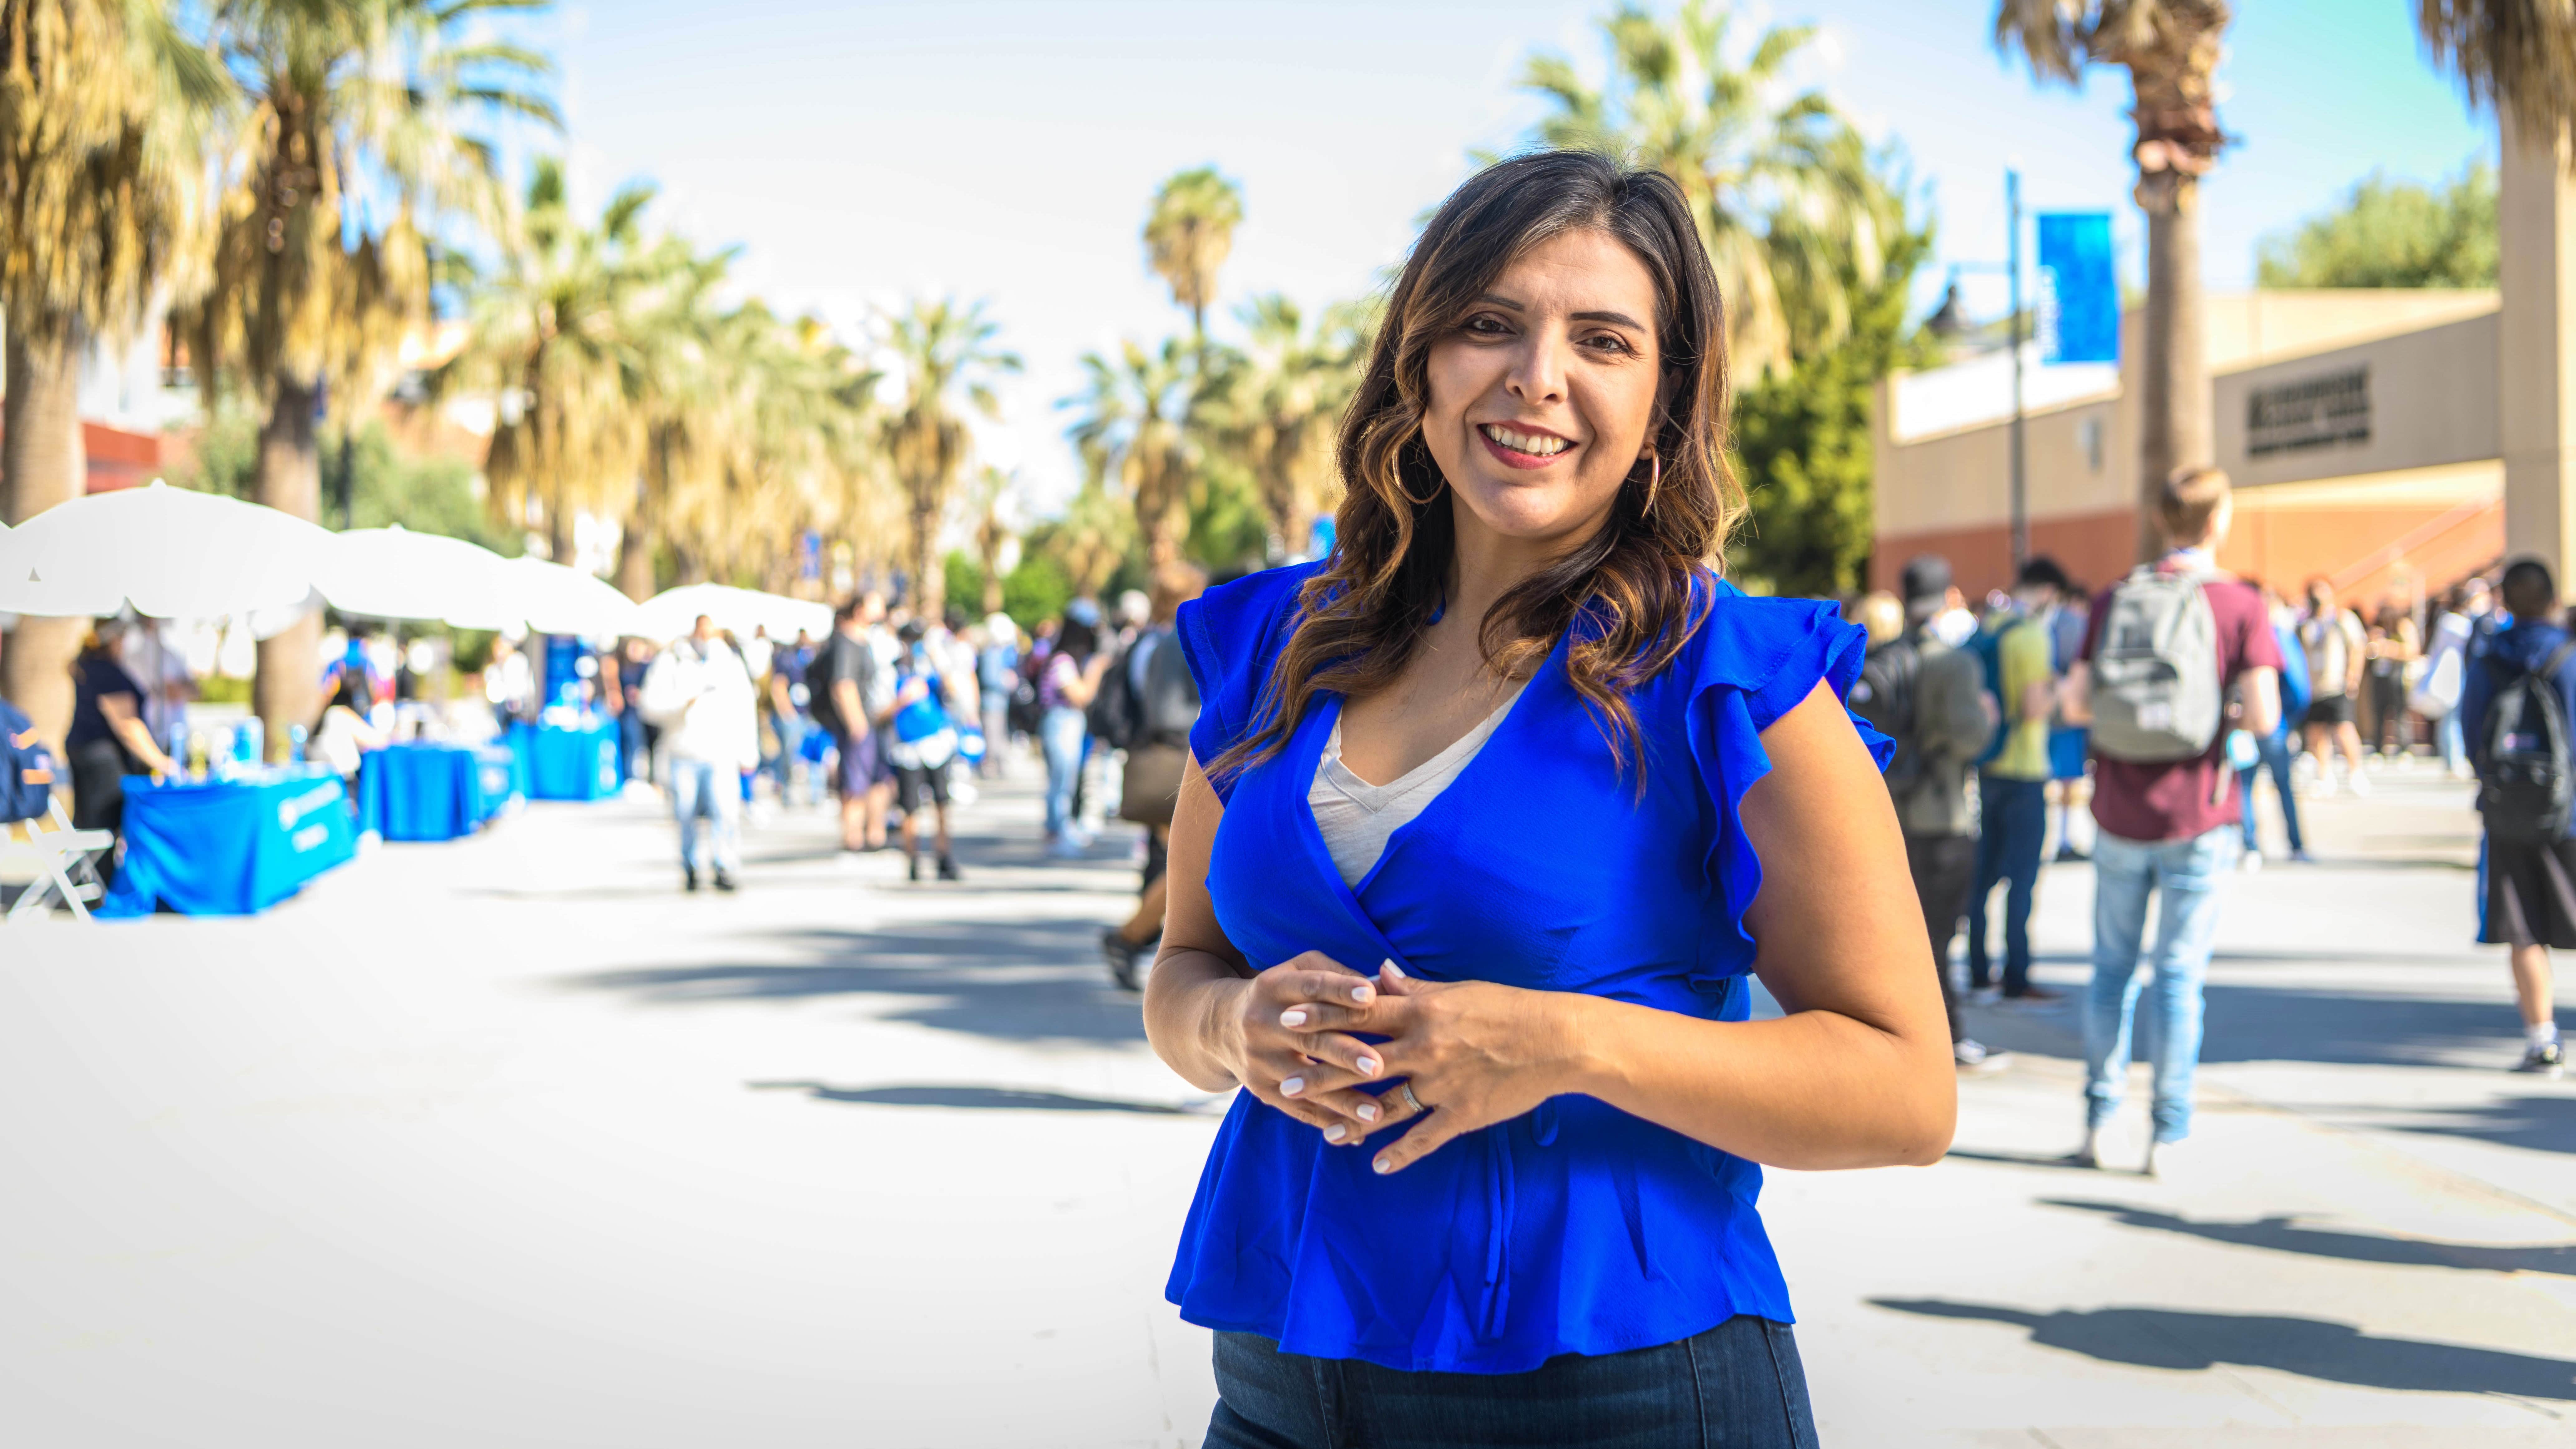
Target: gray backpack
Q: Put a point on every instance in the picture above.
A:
(2156, 690)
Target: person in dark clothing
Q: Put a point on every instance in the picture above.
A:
(108, 739)
(1943, 728)
(2528, 888)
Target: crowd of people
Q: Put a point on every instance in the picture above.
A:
(2162, 701)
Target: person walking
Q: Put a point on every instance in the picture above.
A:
(1161, 703)
(1931, 700)
(2517, 699)
(784, 698)
(2012, 787)
(924, 741)
(2272, 751)
(997, 674)
(838, 685)
(1491, 1178)
(2464, 616)
(2175, 653)
(699, 691)
(1065, 687)
(2396, 648)
(2334, 641)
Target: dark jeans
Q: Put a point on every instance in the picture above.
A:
(1941, 866)
(1738, 1386)
(2275, 758)
(2013, 818)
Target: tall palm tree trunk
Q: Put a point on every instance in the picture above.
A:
(41, 464)
(2175, 428)
(2536, 342)
(929, 580)
(285, 692)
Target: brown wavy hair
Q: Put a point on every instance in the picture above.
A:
(1632, 583)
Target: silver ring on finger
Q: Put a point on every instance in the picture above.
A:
(1411, 1100)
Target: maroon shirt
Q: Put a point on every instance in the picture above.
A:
(2183, 798)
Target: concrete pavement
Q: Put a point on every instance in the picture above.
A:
(507, 1142)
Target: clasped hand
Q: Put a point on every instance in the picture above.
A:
(1472, 1053)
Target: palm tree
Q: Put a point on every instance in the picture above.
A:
(992, 532)
(1279, 416)
(2171, 51)
(1187, 236)
(357, 129)
(2519, 58)
(1777, 180)
(104, 108)
(558, 332)
(675, 393)
(946, 352)
(1135, 430)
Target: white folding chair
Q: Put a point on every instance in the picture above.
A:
(61, 863)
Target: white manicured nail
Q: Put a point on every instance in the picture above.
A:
(1368, 1111)
(1383, 1165)
(1292, 1018)
(1360, 994)
(1292, 1086)
(1390, 968)
(1367, 1066)
(1336, 1132)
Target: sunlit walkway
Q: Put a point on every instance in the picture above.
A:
(510, 1143)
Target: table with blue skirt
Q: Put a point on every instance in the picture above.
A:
(228, 847)
(568, 762)
(429, 791)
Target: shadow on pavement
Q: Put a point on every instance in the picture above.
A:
(2063, 1160)
(2542, 1124)
(2282, 1234)
(2338, 1353)
(1017, 980)
(2269, 1023)
(983, 1098)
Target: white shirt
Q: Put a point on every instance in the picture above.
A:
(702, 698)
(1356, 818)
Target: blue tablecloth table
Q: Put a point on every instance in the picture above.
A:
(566, 763)
(422, 791)
(228, 847)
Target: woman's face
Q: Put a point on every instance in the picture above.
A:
(1545, 394)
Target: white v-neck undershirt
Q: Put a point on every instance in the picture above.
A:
(1356, 818)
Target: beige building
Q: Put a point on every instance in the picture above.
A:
(2361, 428)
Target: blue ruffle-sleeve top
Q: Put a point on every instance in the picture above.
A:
(1576, 1228)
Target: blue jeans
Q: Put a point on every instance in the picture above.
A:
(2274, 759)
(634, 758)
(1738, 1385)
(2125, 873)
(1060, 732)
(708, 803)
(2455, 750)
(2012, 825)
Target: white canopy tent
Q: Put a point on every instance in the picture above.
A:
(165, 552)
(553, 599)
(674, 612)
(393, 573)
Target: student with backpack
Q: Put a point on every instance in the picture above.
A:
(1931, 700)
(2165, 650)
(2516, 701)
(2012, 777)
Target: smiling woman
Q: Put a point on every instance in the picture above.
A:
(1519, 754)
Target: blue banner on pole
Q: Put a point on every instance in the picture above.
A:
(2079, 292)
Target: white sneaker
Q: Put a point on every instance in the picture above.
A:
(2095, 1140)
(1985, 995)
(2251, 862)
(2359, 784)
(2161, 1156)
(1976, 1059)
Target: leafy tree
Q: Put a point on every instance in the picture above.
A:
(360, 129)
(1802, 439)
(1187, 236)
(104, 110)
(1771, 175)
(2393, 234)
(947, 354)
(1135, 432)
(2170, 49)
(1275, 415)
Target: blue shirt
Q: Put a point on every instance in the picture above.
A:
(2494, 660)
(1576, 1228)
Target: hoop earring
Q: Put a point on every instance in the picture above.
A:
(1420, 502)
(1654, 485)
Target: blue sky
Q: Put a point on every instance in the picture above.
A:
(1006, 149)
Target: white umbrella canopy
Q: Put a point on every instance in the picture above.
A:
(553, 599)
(393, 573)
(168, 552)
(674, 612)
